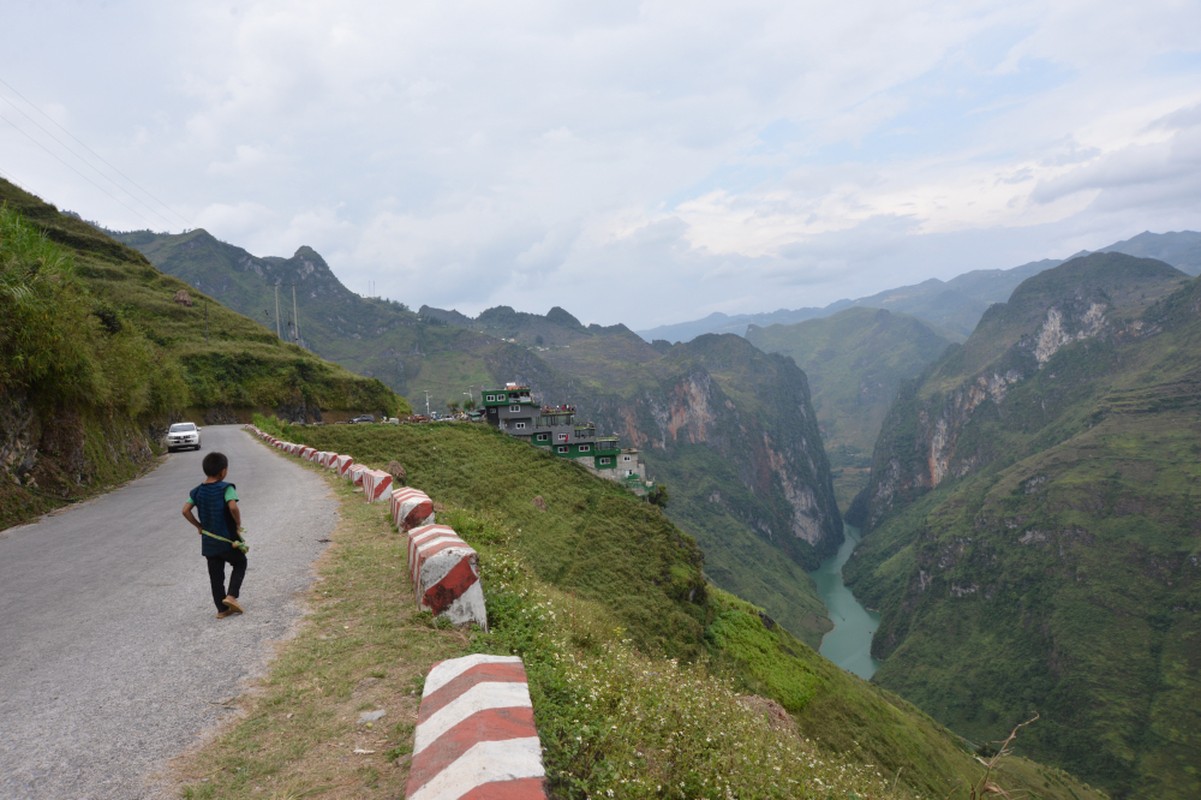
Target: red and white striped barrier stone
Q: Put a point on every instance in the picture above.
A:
(410, 508)
(354, 474)
(427, 536)
(376, 484)
(446, 575)
(341, 464)
(475, 735)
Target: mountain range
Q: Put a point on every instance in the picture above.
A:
(1029, 518)
(955, 305)
(637, 666)
(1028, 542)
(728, 429)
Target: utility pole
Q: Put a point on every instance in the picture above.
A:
(296, 317)
(277, 333)
(427, 402)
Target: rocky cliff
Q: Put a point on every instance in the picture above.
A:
(749, 412)
(934, 429)
(730, 431)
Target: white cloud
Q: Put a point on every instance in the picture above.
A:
(730, 156)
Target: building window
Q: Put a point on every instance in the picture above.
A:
(585, 448)
(542, 437)
(605, 460)
(561, 449)
(515, 409)
(520, 426)
(562, 437)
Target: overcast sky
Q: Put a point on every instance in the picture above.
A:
(635, 162)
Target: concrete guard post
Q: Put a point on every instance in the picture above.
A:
(446, 575)
(410, 508)
(354, 474)
(342, 464)
(475, 735)
(376, 484)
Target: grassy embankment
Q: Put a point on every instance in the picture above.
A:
(640, 673)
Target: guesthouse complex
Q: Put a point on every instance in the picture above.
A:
(514, 411)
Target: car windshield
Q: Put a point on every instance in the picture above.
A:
(183, 427)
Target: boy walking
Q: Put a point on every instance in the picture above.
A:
(219, 526)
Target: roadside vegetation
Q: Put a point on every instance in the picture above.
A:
(78, 383)
(646, 681)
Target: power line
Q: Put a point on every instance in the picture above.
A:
(59, 158)
(145, 192)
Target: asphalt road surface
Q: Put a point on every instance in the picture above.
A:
(112, 660)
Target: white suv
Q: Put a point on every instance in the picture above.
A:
(183, 434)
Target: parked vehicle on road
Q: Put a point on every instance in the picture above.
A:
(363, 418)
(182, 435)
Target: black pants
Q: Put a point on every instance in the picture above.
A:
(237, 560)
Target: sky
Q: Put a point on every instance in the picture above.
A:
(643, 163)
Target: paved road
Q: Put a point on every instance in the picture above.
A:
(112, 659)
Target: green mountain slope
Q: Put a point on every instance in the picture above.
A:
(855, 361)
(99, 354)
(595, 589)
(1033, 540)
(303, 299)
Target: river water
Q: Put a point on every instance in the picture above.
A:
(849, 644)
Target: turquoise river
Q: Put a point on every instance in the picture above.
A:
(849, 644)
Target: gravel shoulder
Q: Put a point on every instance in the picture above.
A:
(113, 660)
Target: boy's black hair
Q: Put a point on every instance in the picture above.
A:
(213, 463)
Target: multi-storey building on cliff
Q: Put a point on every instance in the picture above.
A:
(514, 411)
